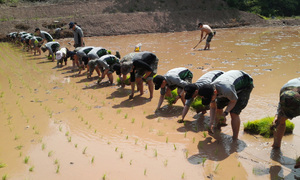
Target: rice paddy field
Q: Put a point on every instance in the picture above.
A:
(56, 124)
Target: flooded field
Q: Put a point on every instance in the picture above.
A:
(55, 124)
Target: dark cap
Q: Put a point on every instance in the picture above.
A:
(157, 80)
(37, 29)
(71, 24)
(206, 91)
(71, 54)
(190, 90)
(116, 67)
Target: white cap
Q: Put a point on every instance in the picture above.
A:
(58, 55)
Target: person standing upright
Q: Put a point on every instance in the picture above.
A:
(78, 35)
(208, 32)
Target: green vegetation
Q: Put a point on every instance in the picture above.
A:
(171, 99)
(268, 8)
(2, 165)
(127, 81)
(197, 105)
(263, 127)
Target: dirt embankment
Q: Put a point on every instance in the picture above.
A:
(101, 18)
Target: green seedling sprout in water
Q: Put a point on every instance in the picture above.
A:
(2, 165)
(50, 153)
(166, 163)
(67, 133)
(56, 161)
(31, 168)
(69, 139)
(155, 152)
(43, 146)
(204, 134)
(57, 168)
(182, 175)
(19, 147)
(4, 177)
(130, 162)
(217, 168)
(203, 161)
(186, 153)
(93, 159)
(26, 159)
(104, 177)
(167, 139)
(146, 147)
(126, 116)
(132, 120)
(84, 150)
(175, 148)
(121, 156)
(136, 140)
(145, 172)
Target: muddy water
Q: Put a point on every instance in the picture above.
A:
(70, 128)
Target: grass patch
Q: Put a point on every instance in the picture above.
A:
(2, 165)
(263, 127)
(26, 159)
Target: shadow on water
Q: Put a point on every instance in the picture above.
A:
(136, 101)
(119, 93)
(166, 111)
(276, 171)
(217, 149)
(198, 125)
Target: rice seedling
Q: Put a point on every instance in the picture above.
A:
(132, 120)
(130, 162)
(185, 134)
(60, 128)
(217, 151)
(166, 163)
(69, 139)
(116, 125)
(119, 111)
(26, 159)
(158, 120)
(127, 137)
(146, 147)
(182, 175)
(186, 153)
(160, 133)
(56, 161)
(17, 137)
(203, 161)
(155, 153)
(116, 149)
(233, 178)
(50, 153)
(76, 145)
(175, 148)
(4, 177)
(43, 146)
(2, 165)
(167, 139)
(36, 132)
(20, 154)
(95, 131)
(194, 139)
(121, 156)
(239, 164)
(136, 140)
(31, 168)
(126, 116)
(217, 168)
(263, 127)
(145, 172)
(67, 133)
(108, 142)
(19, 147)
(57, 168)
(104, 177)
(84, 150)
(204, 134)
(93, 159)
(86, 122)
(143, 124)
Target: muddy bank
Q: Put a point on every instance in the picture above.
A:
(105, 18)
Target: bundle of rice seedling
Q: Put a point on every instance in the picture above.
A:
(171, 99)
(263, 127)
(127, 81)
(198, 106)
